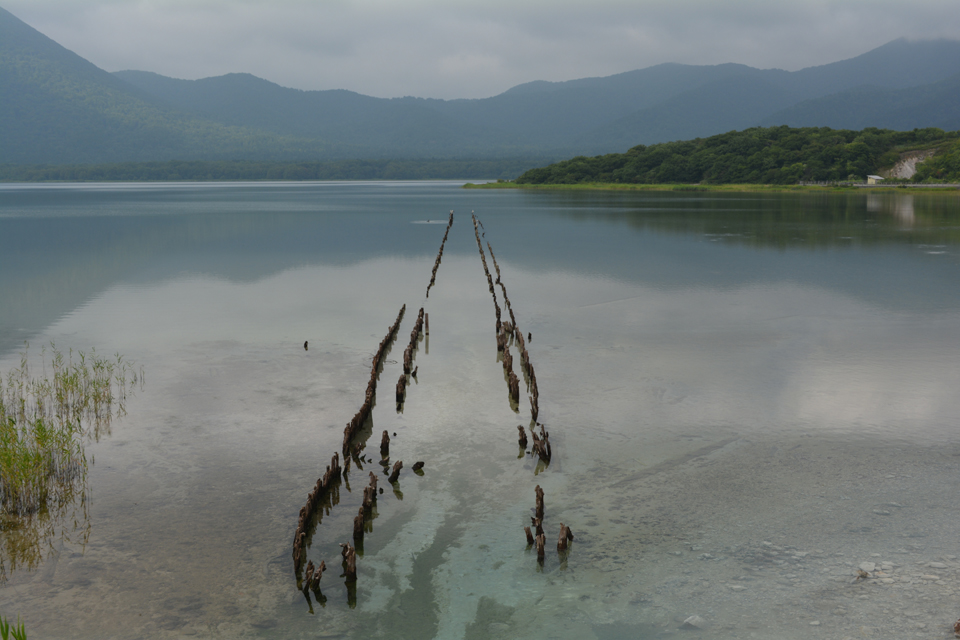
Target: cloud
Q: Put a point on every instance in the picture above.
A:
(444, 49)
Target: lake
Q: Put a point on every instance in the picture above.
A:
(749, 398)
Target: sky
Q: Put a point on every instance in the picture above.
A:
(469, 48)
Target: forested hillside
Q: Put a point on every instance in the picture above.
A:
(775, 155)
(56, 109)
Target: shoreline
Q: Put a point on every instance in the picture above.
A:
(730, 188)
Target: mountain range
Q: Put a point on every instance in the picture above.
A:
(57, 108)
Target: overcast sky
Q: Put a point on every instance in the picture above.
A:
(469, 48)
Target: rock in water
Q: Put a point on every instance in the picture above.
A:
(694, 622)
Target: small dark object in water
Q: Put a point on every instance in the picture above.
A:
(394, 434)
(415, 369)
(418, 465)
(305, 345)
(396, 471)
(381, 489)
(529, 337)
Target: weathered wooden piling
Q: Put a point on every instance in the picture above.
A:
(385, 444)
(315, 583)
(358, 525)
(540, 507)
(537, 524)
(530, 539)
(417, 466)
(541, 547)
(349, 562)
(565, 535)
(308, 574)
(396, 472)
(523, 436)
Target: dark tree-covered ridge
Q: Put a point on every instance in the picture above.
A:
(774, 155)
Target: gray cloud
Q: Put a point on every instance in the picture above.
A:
(467, 48)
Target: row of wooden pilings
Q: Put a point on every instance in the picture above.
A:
(350, 431)
(513, 383)
(536, 537)
(507, 330)
(324, 485)
(512, 330)
(436, 265)
(331, 479)
(408, 358)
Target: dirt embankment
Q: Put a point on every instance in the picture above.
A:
(906, 166)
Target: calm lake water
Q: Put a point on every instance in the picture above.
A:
(749, 398)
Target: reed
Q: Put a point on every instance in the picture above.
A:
(8, 632)
(45, 420)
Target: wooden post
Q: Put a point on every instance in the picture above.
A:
(396, 472)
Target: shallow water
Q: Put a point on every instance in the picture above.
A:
(738, 388)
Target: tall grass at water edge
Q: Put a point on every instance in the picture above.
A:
(45, 421)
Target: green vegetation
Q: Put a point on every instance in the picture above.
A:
(240, 170)
(58, 108)
(7, 632)
(775, 155)
(44, 423)
(944, 166)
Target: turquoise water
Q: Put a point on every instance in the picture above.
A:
(721, 375)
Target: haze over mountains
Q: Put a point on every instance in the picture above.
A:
(57, 108)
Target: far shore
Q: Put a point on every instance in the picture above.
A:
(951, 189)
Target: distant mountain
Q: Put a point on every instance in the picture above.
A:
(57, 108)
(373, 126)
(930, 105)
(589, 115)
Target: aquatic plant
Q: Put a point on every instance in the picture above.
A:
(7, 632)
(45, 421)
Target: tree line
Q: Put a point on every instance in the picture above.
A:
(772, 155)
